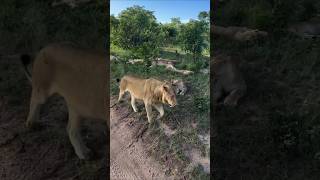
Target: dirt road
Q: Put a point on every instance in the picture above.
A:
(128, 157)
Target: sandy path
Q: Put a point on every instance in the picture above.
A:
(128, 158)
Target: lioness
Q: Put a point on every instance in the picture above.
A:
(78, 75)
(238, 33)
(152, 91)
(306, 29)
(179, 86)
(228, 79)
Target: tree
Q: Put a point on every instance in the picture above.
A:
(139, 32)
(192, 37)
(114, 24)
(170, 34)
(171, 31)
(204, 16)
(175, 20)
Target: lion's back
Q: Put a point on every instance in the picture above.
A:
(77, 74)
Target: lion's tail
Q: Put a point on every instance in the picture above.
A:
(26, 60)
(118, 80)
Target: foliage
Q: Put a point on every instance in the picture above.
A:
(171, 31)
(137, 31)
(265, 14)
(192, 37)
(204, 16)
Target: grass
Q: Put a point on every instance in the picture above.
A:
(193, 107)
(274, 133)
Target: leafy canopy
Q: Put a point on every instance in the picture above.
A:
(136, 30)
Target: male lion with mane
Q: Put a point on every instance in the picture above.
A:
(80, 76)
(152, 91)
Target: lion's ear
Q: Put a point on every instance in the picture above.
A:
(165, 88)
(174, 81)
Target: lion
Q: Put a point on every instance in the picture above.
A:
(152, 91)
(80, 76)
(179, 87)
(238, 33)
(227, 79)
(306, 29)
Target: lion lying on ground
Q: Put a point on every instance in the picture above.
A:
(238, 33)
(152, 91)
(227, 79)
(169, 66)
(306, 29)
(79, 76)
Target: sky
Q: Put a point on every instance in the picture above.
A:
(164, 10)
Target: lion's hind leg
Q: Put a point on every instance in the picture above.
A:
(133, 104)
(121, 93)
(37, 100)
(73, 129)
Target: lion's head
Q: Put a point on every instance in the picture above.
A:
(179, 86)
(168, 94)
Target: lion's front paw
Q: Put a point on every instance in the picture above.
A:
(86, 154)
(31, 125)
(230, 102)
(135, 109)
(159, 117)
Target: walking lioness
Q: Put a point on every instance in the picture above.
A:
(79, 76)
(152, 91)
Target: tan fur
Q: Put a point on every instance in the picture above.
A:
(170, 67)
(71, 3)
(306, 29)
(135, 61)
(179, 86)
(80, 77)
(152, 91)
(227, 78)
(238, 33)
